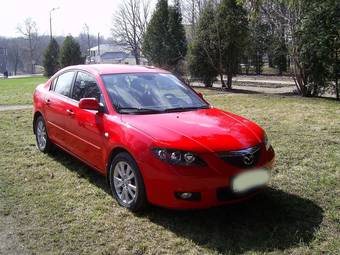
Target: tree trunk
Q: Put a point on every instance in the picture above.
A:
(222, 81)
(15, 66)
(136, 55)
(31, 53)
(270, 61)
(300, 79)
(336, 77)
(337, 89)
(230, 80)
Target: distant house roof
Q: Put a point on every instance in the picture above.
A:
(111, 48)
(114, 55)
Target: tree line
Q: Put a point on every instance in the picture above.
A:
(25, 53)
(210, 40)
(213, 39)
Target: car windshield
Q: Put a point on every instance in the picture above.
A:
(150, 93)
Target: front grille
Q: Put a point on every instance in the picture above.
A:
(246, 158)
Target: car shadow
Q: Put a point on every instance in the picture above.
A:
(83, 171)
(273, 220)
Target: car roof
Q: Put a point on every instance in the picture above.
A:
(102, 69)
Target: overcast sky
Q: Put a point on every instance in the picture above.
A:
(69, 19)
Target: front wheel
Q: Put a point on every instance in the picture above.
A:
(43, 142)
(127, 183)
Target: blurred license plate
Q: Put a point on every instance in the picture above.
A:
(250, 179)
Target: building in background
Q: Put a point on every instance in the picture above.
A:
(112, 54)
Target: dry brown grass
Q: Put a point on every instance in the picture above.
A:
(58, 205)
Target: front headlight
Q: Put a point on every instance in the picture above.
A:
(266, 141)
(177, 157)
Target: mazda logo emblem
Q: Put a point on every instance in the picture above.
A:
(248, 159)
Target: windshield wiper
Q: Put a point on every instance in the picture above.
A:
(178, 109)
(132, 110)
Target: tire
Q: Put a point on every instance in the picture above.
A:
(44, 144)
(126, 183)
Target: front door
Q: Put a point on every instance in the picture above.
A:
(86, 126)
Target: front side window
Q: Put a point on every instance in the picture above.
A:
(64, 83)
(142, 92)
(85, 86)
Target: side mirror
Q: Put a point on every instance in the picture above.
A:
(200, 95)
(89, 104)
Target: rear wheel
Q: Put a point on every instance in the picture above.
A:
(126, 183)
(43, 142)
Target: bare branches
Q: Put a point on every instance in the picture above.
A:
(30, 32)
(130, 23)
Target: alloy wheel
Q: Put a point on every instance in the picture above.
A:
(125, 183)
(41, 135)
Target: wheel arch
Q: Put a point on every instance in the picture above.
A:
(35, 117)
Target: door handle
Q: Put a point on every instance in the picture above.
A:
(70, 112)
(47, 101)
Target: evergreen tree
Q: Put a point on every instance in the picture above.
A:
(233, 26)
(51, 58)
(280, 54)
(177, 38)
(165, 43)
(221, 35)
(155, 46)
(70, 53)
(204, 52)
(319, 46)
(258, 43)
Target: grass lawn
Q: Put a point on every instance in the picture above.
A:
(18, 91)
(55, 204)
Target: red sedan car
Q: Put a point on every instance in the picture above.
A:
(155, 139)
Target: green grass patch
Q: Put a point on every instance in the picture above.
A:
(18, 91)
(59, 205)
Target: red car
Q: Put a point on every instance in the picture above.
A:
(155, 139)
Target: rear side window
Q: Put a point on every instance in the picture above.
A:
(64, 84)
(85, 86)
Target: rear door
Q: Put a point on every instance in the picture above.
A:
(86, 126)
(55, 110)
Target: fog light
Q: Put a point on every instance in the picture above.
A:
(188, 196)
(185, 195)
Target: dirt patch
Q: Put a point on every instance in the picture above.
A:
(9, 241)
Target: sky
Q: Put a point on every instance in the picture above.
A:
(68, 19)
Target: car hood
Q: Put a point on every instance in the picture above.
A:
(206, 130)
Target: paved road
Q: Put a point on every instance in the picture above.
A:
(14, 107)
(22, 76)
(265, 81)
(251, 88)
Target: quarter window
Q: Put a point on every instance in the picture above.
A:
(64, 84)
(54, 82)
(85, 86)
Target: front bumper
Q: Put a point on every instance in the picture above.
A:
(162, 184)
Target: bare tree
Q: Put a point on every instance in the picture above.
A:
(14, 55)
(87, 33)
(285, 17)
(130, 22)
(30, 32)
(191, 11)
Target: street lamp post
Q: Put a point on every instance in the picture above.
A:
(53, 9)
